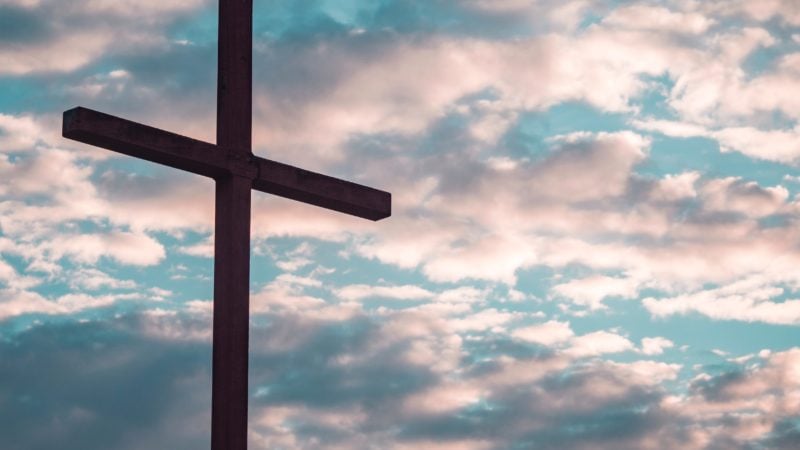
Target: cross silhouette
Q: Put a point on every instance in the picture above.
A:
(236, 171)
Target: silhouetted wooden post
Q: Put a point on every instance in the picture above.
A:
(236, 170)
(232, 228)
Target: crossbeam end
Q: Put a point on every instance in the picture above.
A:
(322, 190)
(145, 142)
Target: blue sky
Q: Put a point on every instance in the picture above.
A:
(594, 239)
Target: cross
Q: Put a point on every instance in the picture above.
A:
(236, 171)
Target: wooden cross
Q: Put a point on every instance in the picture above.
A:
(236, 171)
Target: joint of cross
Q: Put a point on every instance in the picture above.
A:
(242, 164)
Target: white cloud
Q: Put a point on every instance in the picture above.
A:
(19, 133)
(752, 402)
(735, 194)
(61, 46)
(454, 254)
(485, 320)
(152, 8)
(15, 302)
(670, 127)
(68, 53)
(94, 279)
(771, 145)
(125, 247)
(753, 299)
(648, 372)
(287, 295)
(598, 343)
(175, 327)
(655, 345)
(595, 68)
(204, 248)
(363, 291)
(22, 3)
(441, 399)
(492, 258)
(12, 279)
(658, 18)
(293, 264)
(591, 291)
(672, 188)
(7, 272)
(463, 294)
(549, 333)
(500, 236)
(762, 11)
(53, 172)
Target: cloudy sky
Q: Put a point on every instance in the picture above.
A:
(595, 241)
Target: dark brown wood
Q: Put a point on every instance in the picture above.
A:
(231, 314)
(232, 164)
(235, 75)
(181, 152)
(144, 142)
(322, 190)
(229, 384)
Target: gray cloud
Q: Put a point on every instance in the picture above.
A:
(99, 386)
(22, 25)
(143, 380)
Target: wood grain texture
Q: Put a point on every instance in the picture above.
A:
(322, 190)
(235, 76)
(144, 142)
(231, 314)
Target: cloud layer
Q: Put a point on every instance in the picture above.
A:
(587, 196)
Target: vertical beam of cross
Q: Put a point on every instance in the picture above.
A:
(235, 75)
(232, 229)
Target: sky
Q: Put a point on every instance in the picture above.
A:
(594, 241)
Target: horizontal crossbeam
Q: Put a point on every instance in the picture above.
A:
(141, 141)
(170, 149)
(321, 190)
